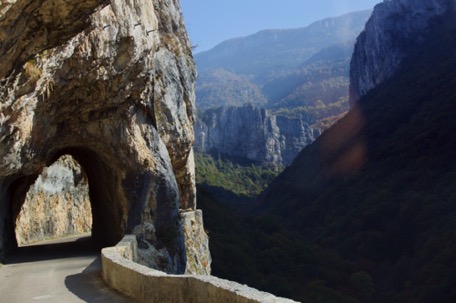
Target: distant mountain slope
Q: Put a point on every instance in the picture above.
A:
(378, 188)
(305, 65)
(281, 49)
(219, 87)
(325, 81)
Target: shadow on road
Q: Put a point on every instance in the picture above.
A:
(47, 250)
(77, 263)
(89, 286)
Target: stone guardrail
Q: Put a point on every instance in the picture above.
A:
(148, 285)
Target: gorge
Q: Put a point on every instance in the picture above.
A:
(366, 212)
(264, 97)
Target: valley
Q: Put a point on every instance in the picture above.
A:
(364, 213)
(289, 85)
(315, 164)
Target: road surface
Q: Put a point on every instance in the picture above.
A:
(56, 272)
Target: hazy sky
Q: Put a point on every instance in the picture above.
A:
(210, 22)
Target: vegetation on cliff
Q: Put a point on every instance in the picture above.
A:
(245, 179)
(262, 253)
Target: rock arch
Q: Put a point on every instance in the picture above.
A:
(125, 192)
(114, 95)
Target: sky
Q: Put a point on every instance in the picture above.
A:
(210, 22)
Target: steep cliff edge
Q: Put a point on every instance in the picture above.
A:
(252, 133)
(393, 30)
(110, 83)
(377, 188)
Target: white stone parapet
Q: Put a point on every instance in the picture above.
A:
(152, 286)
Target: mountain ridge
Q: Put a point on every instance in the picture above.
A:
(370, 204)
(313, 86)
(272, 58)
(269, 36)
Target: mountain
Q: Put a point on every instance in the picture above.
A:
(219, 86)
(281, 49)
(264, 68)
(377, 188)
(301, 76)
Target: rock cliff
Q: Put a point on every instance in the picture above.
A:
(252, 133)
(384, 175)
(395, 27)
(57, 204)
(110, 83)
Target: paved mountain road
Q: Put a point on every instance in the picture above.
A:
(56, 272)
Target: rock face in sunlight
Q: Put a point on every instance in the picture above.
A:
(110, 83)
(301, 74)
(252, 133)
(395, 28)
(57, 204)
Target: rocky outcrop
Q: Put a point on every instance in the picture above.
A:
(198, 254)
(252, 133)
(395, 27)
(110, 83)
(295, 134)
(56, 205)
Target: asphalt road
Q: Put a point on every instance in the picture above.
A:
(56, 271)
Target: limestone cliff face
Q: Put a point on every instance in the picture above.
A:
(395, 27)
(295, 134)
(56, 205)
(110, 83)
(252, 133)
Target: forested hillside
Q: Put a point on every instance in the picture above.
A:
(378, 188)
(367, 212)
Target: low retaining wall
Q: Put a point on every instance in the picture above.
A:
(148, 285)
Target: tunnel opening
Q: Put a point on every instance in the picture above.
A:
(105, 214)
(57, 205)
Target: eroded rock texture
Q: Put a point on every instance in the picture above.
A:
(110, 83)
(252, 133)
(395, 28)
(57, 204)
